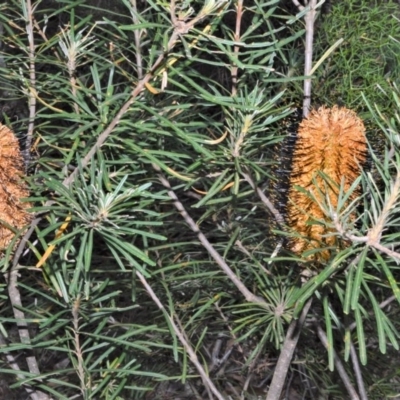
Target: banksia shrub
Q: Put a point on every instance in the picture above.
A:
(330, 148)
(13, 212)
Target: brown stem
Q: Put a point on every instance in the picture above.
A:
(32, 79)
(309, 19)
(235, 69)
(23, 331)
(249, 296)
(14, 294)
(135, 92)
(339, 366)
(357, 372)
(193, 357)
(274, 211)
(180, 28)
(78, 349)
(137, 33)
(285, 358)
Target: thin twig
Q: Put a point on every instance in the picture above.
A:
(243, 249)
(137, 34)
(385, 250)
(193, 357)
(294, 328)
(308, 54)
(104, 135)
(23, 242)
(277, 215)
(235, 69)
(298, 5)
(23, 331)
(376, 232)
(285, 358)
(32, 78)
(305, 379)
(181, 330)
(250, 297)
(15, 299)
(308, 51)
(338, 364)
(78, 349)
(357, 372)
(235, 344)
(387, 301)
(215, 353)
(180, 28)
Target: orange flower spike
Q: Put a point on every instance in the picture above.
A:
(331, 141)
(12, 211)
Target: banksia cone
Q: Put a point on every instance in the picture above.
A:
(12, 211)
(331, 141)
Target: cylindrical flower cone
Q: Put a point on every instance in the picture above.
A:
(13, 211)
(331, 142)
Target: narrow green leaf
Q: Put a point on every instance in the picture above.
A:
(379, 318)
(389, 275)
(329, 334)
(358, 278)
(349, 289)
(360, 336)
(347, 344)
